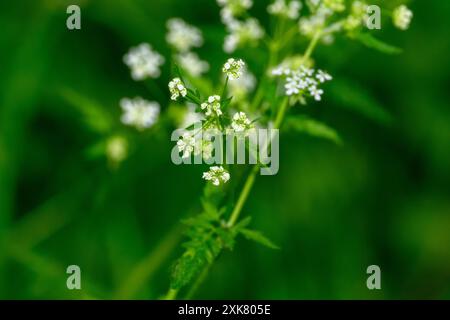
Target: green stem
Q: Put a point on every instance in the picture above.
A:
(172, 294)
(243, 196)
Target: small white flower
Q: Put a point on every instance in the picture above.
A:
(233, 68)
(192, 64)
(316, 93)
(402, 17)
(216, 175)
(240, 122)
(139, 113)
(186, 144)
(323, 76)
(305, 81)
(144, 62)
(233, 8)
(240, 88)
(282, 9)
(177, 88)
(212, 106)
(242, 33)
(182, 36)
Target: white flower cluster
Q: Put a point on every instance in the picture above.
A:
(303, 82)
(182, 36)
(191, 62)
(233, 68)
(189, 145)
(216, 175)
(356, 17)
(241, 123)
(240, 31)
(289, 10)
(240, 88)
(140, 113)
(177, 88)
(402, 17)
(233, 8)
(212, 106)
(144, 62)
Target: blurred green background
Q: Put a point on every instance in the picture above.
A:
(382, 198)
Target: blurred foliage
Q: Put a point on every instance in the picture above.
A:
(382, 197)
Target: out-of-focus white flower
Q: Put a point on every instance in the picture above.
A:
(140, 113)
(191, 117)
(191, 63)
(116, 149)
(233, 68)
(144, 62)
(182, 36)
(204, 148)
(323, 76)
(305, 81)
(186, 144)
(216, 175)
(402, 17)
(177, 88)
(241, 87)
(242, 33)
(316, 93)
(212, 106)
(233, 8)
(357, 17)
(289, 10)
(334, 5)
(240, 122)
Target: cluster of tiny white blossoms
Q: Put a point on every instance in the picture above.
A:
(212, 106)
(402, 17)
(233, 68)
(139, 113)
(233, 8)
(182, 36)
(194, 141)
(216, 175)
(241, 123)
(144, 62)
(242, 33)
(289, 10)
(303, 82)
(191, 62)
(242, 29)
(177, 89)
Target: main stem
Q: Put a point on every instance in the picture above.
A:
(252, 176)
(277, 125)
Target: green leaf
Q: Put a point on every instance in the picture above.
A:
(313, 128)
(258, 237)
(350, 95)
(371, 42)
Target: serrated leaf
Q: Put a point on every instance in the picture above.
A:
(371, 42)
(258, 237)
(313, 128)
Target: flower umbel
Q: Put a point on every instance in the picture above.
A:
(186, 145)
(182, 36)
(144, 62)
(216, 175)
(402, 17)
(212, 106)
(233, 68)
(289, 10)
(139, 113)
(241, 123)
(177, 88)
(192, 64)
